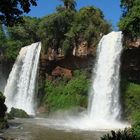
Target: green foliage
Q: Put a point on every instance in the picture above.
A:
(68, 4)
(131, 99)
(18, 36)
(88, 25)
(12, 49)
(130, 21)
(66, 29)
(26, 32)
(63, 95)
(3, 108)
(52, 28)
(11, 11)
(136, 126)
(120, 135)
(19, 113)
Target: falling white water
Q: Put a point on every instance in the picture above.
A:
(104, 108)
(104, 105)
(20, 88)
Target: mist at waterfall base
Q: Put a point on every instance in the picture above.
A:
(20, 88)
(104, 110)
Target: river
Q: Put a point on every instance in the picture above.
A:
(27, 129)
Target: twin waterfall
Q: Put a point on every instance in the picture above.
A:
(104, 106)
(20, 88)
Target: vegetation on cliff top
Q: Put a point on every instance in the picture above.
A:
(66, 29)
(130, 21)
(64, 94)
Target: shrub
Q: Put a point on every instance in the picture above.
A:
(3, 108)
(65, 94)
(130, 99)
(120, 135)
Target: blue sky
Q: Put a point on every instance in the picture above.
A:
(110, 8)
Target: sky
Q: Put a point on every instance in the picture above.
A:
(110, 8)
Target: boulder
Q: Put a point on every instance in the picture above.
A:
(63, 72)
(18, 113)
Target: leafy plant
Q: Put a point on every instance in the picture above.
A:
(130, 21)
(120, 135)
(130, 98)
(63, 94)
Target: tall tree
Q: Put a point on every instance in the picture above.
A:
(11, 11)
(69, 4)
(130, 21)
(20, 35)
(88, 25)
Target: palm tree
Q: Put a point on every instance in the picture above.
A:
(69, 4)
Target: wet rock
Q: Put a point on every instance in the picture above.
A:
(19, 113)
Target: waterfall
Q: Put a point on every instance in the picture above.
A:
(104, 105)
(20, 88)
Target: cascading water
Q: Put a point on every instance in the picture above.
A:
(20, 88)
(104, 102)
(104, 108)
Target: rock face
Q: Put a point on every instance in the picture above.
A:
(63, 72)
(64, 67)
(81, 50)
(131, 64)
(134, 44)
(53, 54)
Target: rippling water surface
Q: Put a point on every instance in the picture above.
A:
(29, 129)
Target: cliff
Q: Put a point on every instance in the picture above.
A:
(82, 58)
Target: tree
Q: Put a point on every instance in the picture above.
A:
(69, 4)
(88, 25)
(19, 35)
(130, 21)
(11, 11)
(26, 32)
(52, 29)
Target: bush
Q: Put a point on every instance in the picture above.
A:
(65, 94)
(130, 99)
(120, 135)
(136, 125)
(3, 108)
